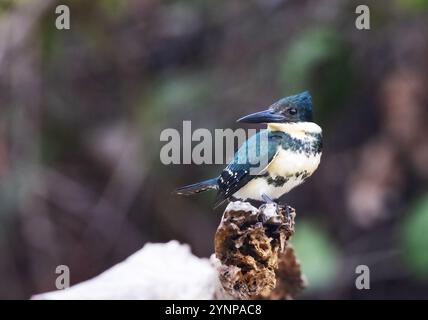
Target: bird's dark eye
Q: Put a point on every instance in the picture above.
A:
(292, 111)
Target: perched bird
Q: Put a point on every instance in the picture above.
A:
(293, 153)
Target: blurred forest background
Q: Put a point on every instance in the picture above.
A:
(81, 112)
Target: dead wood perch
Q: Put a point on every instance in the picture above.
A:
(253, 257)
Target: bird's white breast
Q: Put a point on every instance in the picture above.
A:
(289, 162)
(286, 164)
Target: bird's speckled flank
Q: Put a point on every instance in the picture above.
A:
(297, 157)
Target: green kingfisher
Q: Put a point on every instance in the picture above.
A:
(293, 153)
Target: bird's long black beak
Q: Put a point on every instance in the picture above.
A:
(266, 116)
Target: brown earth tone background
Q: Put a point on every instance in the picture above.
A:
(81, 112)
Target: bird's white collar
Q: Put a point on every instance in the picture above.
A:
(296, 129)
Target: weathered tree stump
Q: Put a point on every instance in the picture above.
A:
(253, 256)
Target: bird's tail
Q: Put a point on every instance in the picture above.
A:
(198, 187)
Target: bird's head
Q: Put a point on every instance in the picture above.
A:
(297, 108)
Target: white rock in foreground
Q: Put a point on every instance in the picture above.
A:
(157, 271)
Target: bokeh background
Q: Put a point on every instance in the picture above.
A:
(81, 112)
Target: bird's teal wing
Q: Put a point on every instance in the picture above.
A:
(249, 161)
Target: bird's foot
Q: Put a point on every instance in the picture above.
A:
(267, 199)
(278, 207)
(289, 211)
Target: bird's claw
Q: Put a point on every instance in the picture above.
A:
(267, 199)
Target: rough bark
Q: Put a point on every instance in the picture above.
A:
(255, 259)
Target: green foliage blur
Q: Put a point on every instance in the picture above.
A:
(317, 255)
(414, 238)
